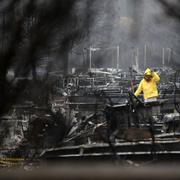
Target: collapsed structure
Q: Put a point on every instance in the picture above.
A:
(95, 116)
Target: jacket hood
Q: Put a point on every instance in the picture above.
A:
(148, 72)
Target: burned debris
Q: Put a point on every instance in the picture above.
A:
(94, 116)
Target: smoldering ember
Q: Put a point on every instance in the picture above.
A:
(89, 81)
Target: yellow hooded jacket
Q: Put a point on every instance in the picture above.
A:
(149, 88)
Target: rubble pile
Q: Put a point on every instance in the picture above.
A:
(98, 111)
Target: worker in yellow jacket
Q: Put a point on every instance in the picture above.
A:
(148, 86)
